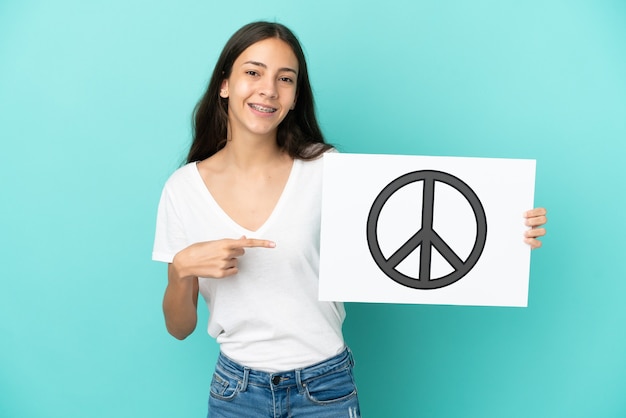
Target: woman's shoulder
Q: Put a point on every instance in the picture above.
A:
(314, 166)
(184, 175)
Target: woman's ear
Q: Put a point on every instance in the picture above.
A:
(224, 89)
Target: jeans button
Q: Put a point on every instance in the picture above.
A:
(276, 380)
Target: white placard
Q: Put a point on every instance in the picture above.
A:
(428, 230)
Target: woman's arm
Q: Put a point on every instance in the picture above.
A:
(180, 303)
(216, 259)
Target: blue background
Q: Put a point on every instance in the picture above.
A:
(95, 105)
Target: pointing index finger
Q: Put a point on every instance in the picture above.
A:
(253, 242)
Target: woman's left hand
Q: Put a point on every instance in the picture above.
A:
(535, 219)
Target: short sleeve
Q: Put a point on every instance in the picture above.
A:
(169, 236)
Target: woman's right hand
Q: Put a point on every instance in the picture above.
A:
(216, 259)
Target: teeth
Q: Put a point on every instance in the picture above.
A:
(263, 109)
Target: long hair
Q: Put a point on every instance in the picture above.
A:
(298, 134)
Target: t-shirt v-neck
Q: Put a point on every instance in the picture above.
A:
(284, 195)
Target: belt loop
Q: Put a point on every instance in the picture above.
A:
(244, 383)
(299, 381)
(350, 356)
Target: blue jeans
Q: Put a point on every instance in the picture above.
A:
(323, 390)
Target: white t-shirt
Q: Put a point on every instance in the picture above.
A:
(267, 316)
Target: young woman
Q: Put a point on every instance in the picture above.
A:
(254, 171)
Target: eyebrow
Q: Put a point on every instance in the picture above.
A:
(260, 64)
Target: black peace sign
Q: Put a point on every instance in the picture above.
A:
(426, 237)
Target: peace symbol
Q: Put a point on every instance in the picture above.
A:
(426, 237)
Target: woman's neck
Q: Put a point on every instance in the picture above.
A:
(252, 152)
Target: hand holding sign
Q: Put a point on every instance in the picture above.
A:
(535, 219)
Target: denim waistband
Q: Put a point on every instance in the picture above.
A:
(284, 379)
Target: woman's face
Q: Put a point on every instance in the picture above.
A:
(261, 89)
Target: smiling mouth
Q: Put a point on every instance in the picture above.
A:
(263, 109)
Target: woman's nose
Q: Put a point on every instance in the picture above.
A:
(268, 89)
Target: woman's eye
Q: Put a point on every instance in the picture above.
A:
(286, 79)
(252, 72)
